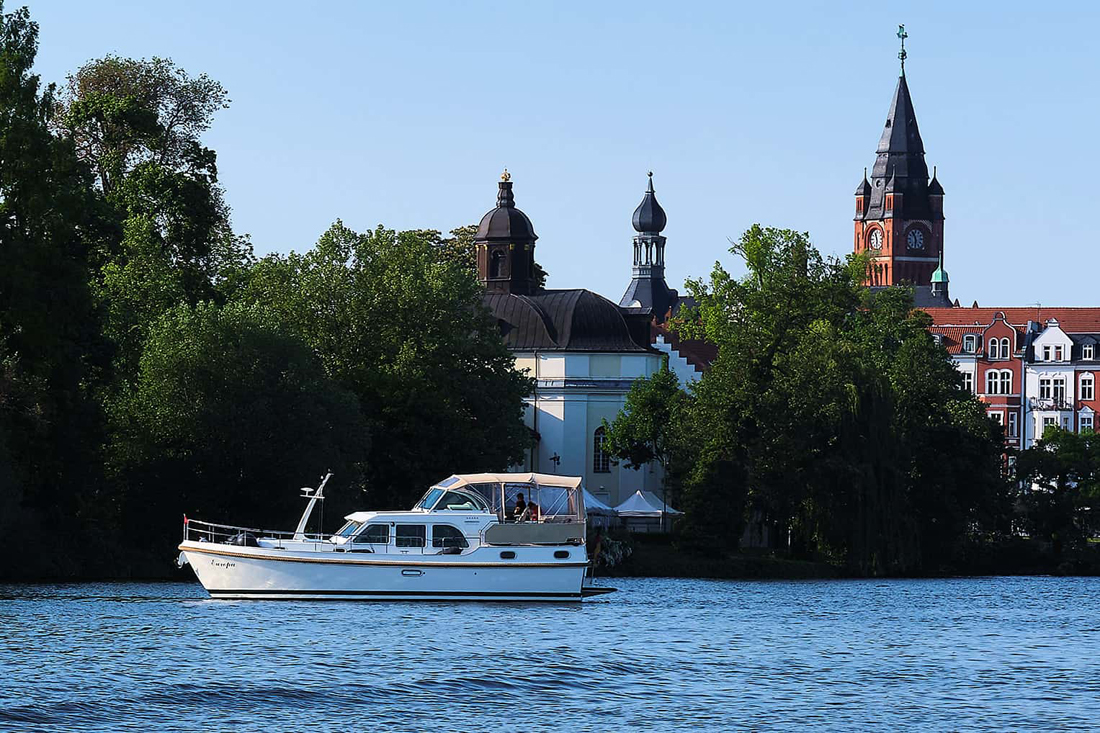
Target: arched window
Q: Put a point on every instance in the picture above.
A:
(1006, 381)
(1087, 390)
(496, 264)
(601, 461)
(1006, 351)
(994, 349)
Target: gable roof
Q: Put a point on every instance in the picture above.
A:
(1071, 320)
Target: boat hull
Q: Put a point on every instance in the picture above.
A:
(229, 572)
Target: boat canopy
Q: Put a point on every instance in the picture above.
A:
(556, 498)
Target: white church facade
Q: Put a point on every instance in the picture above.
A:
(583, 351)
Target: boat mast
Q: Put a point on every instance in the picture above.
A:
(318, 495)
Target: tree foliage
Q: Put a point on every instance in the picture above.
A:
(404, 329)
(832, 414)
(230, 414)
(1061, 476)
(51, 354)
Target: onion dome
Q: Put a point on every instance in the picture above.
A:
(505, 222)
(934, 188)
(864, 188)
(649, 217)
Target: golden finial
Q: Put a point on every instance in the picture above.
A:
(505, 176)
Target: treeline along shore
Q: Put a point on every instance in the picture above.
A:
(152, 366)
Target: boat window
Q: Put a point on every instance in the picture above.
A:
(460, 501)
(430, 499)
(444, 535)
(375, 534)
(410, 535)
(348, 529)
(448, 482)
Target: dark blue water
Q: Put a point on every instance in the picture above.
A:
(988, 653)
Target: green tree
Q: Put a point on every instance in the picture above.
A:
(166, 237)
(648, 428)
(1061, 473)
(122, 113)
(230, 414)
(831, 413)
(404, 329)
(51, 356)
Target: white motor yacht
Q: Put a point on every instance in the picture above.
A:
(490, 536)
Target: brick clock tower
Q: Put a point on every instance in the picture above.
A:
(899, 212)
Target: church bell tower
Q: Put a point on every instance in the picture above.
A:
(505, 243)
(899, 211)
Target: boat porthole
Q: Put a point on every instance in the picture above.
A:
(561, 554)
(507, 555)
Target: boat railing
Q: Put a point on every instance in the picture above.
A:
(195, 530)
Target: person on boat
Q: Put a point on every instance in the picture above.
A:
(521, 507)
(533, 512)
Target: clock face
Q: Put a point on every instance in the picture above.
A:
(916, 239)
(875, 239)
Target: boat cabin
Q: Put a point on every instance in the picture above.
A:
(473, 510)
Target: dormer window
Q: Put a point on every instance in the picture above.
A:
(1046, 353)
(1057, 353)
(1088, 351)
(969, 344)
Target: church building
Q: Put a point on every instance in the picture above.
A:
(583, 350)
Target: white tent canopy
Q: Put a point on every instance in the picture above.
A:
(643, 504)
(592, 505)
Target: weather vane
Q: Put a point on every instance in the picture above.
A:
(505, 176)
(901, 54)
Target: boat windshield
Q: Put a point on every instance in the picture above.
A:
(429, 499)
(348, 529)
(461, 501)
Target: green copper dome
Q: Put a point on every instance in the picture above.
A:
(939, 275)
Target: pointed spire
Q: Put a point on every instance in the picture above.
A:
(649, 217)
(934, 188)
(864, 188)
(901, 134)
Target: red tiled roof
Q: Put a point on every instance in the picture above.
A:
(700, 354)
(1071, 320)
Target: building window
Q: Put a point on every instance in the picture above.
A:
(496, 264)
(1006, 350)
(992, 382)
(1059, 393)
(998, 417)
(994, 349)
(1046, 353)
(1057, 353)
(968, 382)
(1087, 392)
(1084, 424)
(969, 344)
(1088, 351)
(1044, 388)
(1048, 423)
(1013, 425)
(1067, 423)
(601, 461)
(1006, 381)
(998, 381)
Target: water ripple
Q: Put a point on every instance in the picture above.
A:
(1000, 653)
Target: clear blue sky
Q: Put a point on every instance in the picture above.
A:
(404, 113)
